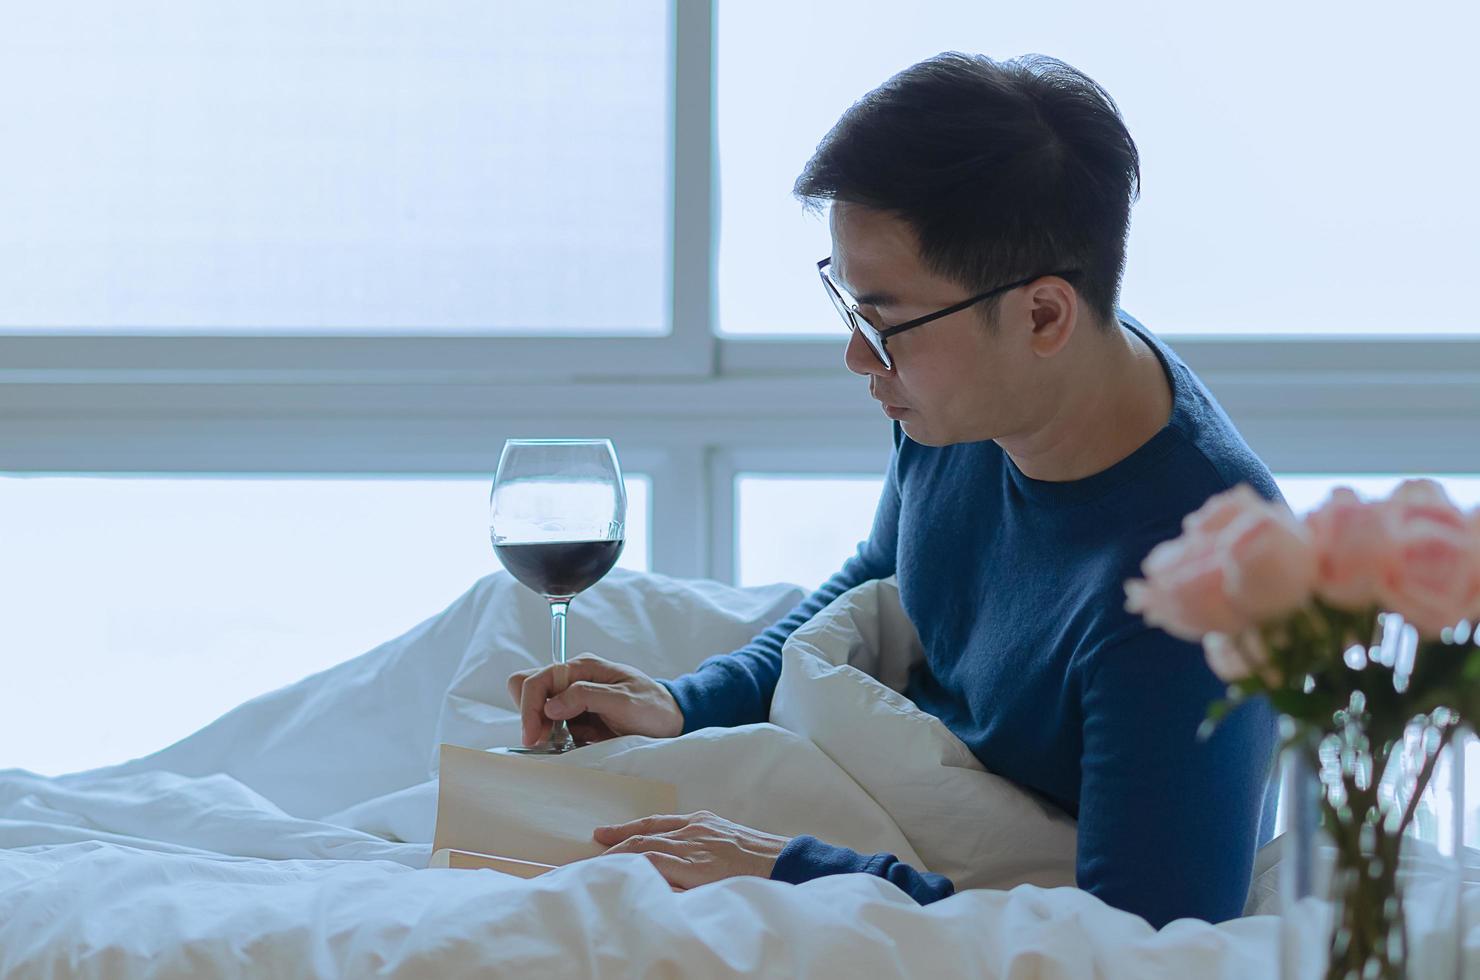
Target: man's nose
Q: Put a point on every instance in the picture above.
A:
(860, 358)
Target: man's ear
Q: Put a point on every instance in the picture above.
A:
(1054, 307)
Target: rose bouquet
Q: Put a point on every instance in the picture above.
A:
(1358, 623)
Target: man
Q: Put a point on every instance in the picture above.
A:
(1044, 442)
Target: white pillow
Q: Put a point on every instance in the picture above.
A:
(371, 726)
(660, 625)
(978, 829)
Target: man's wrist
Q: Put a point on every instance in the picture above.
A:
(674, 712)
(678, 706)
(775, 846)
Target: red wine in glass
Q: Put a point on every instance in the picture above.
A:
(557, 517)
(560, 568)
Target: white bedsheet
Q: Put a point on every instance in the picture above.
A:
(290, 837)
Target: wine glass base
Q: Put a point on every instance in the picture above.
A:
(544, 748)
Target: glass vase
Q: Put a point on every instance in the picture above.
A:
(1372, 876)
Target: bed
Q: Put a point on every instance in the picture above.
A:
(291, 836)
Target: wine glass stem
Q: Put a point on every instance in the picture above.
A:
(560, 737)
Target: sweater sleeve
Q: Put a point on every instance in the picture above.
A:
(805, 858)
(1168, 822)
(735, 688)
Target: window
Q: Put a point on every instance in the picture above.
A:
(447, 167)
(319, 173)
(800, 529)
(1291, 201)
(1305, 492)
(136, 610)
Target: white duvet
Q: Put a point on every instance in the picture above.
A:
(290, 837)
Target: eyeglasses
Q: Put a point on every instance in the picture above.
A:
(848, 309)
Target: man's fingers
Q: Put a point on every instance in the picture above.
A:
(583, 696)
(536, 689)
(589, 667)
(658, 823)
(530, 689)
(649, 843)
(516, 683)
(674, 870)
(554, 677)
(585, 731)
(532, 695)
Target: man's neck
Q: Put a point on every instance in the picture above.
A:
(1112, 397)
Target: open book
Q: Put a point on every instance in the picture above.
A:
(526, 815)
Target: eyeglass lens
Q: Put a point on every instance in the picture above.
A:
(855, 321)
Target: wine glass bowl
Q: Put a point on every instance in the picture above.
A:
(557, 521)
(559, 569)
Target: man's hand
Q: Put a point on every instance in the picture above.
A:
(597, 698)
(695, 848)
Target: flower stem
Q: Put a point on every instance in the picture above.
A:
(1446, 732)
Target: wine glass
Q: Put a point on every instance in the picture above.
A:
(557, 520)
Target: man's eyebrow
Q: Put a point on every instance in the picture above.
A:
(877, 298)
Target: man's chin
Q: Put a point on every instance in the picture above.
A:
(926, 435)
(917, 432)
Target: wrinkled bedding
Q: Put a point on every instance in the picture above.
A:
(291, 836)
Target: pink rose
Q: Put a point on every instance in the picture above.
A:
(1432, 575)
(1233, 658)
(1474, 616)
(1353, 548)
(1240, 561)
(1271, 564)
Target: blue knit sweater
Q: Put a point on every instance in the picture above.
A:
(1016, 588)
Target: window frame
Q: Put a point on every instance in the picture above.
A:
(146, 356)
(696, 407)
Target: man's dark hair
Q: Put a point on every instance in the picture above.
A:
(1003, 169)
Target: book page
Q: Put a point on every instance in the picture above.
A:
(533, 809)
(473, 861)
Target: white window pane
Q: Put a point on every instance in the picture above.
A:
(1304, 492)
(800, 528)
(447, 166)
(1293, 193)
(135, 610)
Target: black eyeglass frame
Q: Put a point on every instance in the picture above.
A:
(877, 339)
